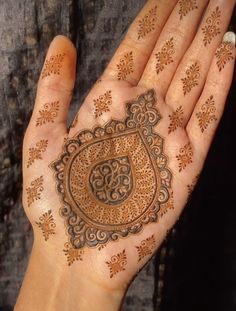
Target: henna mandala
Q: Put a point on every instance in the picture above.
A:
(224, 54)
(176, 119)
(72, 254)
(114, 179)
(186, 6)
(192, 186)
(102, 104)
(206, 114)
(126, 66)
(117, 263)
(148, 23)
(47, 224)
(185, 156)
(48, 114)
(34, 191)
(36, 152)
(53, 65)
(164, 57)
(146, 247)
(212, 29)
(192, 77)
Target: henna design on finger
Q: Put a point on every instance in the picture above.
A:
(176, 119)
(191, 79)
(224, 54)
(212, 29)
(53, 65)
(126, 66)
(117, 263)
(146, 247)
(164, 57)
(148, 23)
(35, 153)
(187, 6)
(48, 114)
(192, 185)
(47, 224)
(185, 156)
(72, 254)
(206, 115)
(34, 191)
(102, 104)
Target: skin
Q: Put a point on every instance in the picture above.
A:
(50, 283)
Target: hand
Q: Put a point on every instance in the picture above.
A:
(102, 196)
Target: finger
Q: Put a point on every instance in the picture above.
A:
(174, 40)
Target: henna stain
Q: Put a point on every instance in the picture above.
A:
(74, 121)
(206, 115)
(224, 54)
(47, 224)
(192, 77)
(185, 156)
(126, 66)
(192, 185)
(48, 114)
(148, 23)
(164, 57)
(72, 254)
(212, 29)
(53, 65)
(146, 247)
(176, 119)
(187, 6)
(169, 205)
(35, 190)
(101, 247)
(102, 104)
(117, 263)
(35, 153)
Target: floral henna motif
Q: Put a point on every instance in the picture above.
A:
(34, 191)
(48, 114)
(146, 247)
(224, 54)
(117, 263)
(164, 57)
(148, 23)
(53, 65)
(47, 224)
(102, 104)
(185, 156)
(35, 153)
(192, 77)
(212, 29)
(176, 119)
(126, 66)
(186, 6)
(206, 115)
(72, 254)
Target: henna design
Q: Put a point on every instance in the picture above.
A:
(192, 185)
(101, 247)
(126, 66)
(146, 247)
(148, 23)
(212, 29)
(34, 191)
(185, 156)
(206, 114)
(53, 65)
(48, 114)
(164, 57)
(176, 119)
(192, 77)
(112, 180)
(186, 6)
(47, 224)
(224, 54)
(102, 104)
(74, 121)
(35, 153)
(168, 205)
(72, 254)
(117, 263)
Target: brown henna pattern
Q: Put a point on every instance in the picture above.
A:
(206, 115)
(53, 65)
(146, 247)
(186, 6)
(224, 54)
(48, 114)
(113, 180)
(212, 29)
(185, 156)
(34, 191)
(176, 119)
(117, 263)
(35, 153)
(46, 224)
(126, 66)
(169, 205)
(164, 57)
(148, 23)
(192, 185)
(192, 78)
(72, 254)
(102, 104)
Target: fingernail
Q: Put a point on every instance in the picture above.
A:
(230, 37)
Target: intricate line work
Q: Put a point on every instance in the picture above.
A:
(148, 23)
(224, 54)
(212, 29)
(206, 115)
(34, 191)
(169, 205)
(146, 247)
(72, 254)
(192, 186)
(126, 66)
(117, 263)
(192, 77)
(47, 224)
(53, 65)
(112, 180)
(176, 119)
(102, 104)
(187, 6)
(185, 156)
(35, 153)
(164, 57)
(48, 114)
